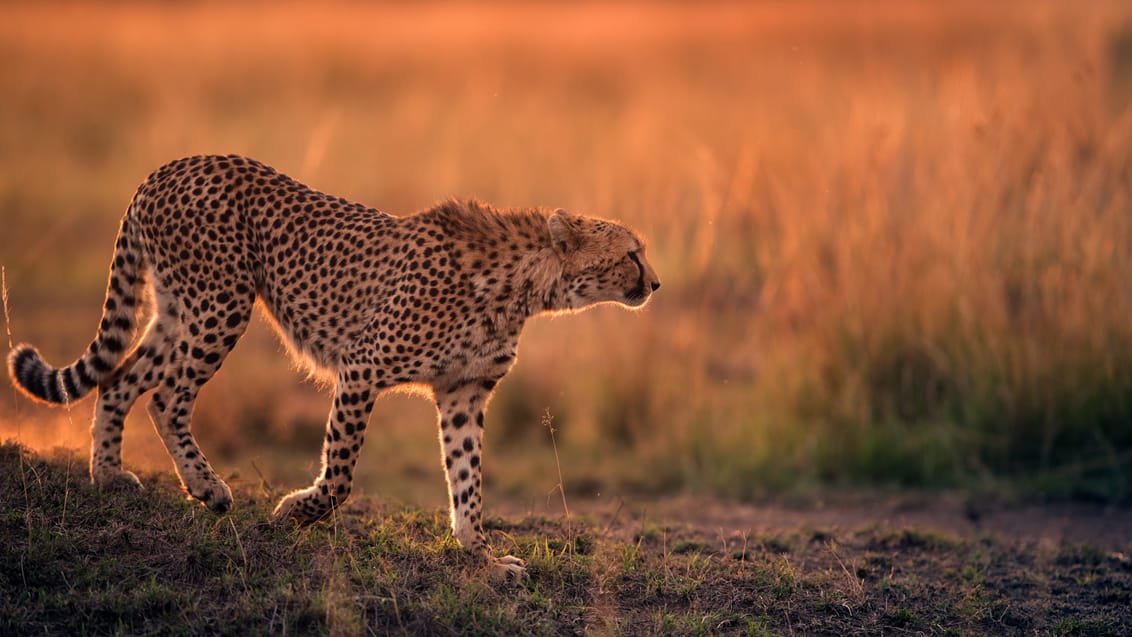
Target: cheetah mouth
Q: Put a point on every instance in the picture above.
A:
(636, 296)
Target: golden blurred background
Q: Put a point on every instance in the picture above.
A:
(895, 236)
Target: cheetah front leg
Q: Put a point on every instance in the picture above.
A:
(345, 433)
(461, 437)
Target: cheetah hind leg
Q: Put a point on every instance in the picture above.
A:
(202, 343)
(106, 470)
(141, 372)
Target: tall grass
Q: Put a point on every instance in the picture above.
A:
(895, 238)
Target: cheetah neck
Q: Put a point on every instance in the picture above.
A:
(531, 274)
(539, 281)
(516, 272)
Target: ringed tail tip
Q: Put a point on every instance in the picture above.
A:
(38, 380)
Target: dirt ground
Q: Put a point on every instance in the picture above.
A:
(1047, 525)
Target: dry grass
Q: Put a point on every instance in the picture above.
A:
(895, 238)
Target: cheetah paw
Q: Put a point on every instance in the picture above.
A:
(287, 508)
(296, 506)
(507, 569)
(116, 479)
(217, 497)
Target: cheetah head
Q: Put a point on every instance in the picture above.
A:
(602, 261)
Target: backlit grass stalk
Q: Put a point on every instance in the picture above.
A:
(548, 422)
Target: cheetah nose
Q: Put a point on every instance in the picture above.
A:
(655, 286)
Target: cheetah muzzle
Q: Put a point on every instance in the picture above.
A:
(436, 299)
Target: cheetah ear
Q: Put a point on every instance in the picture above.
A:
(563, 234)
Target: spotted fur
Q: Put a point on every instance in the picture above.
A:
(436, 299)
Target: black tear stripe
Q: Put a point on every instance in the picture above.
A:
(638, 290)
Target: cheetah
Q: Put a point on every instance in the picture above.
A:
(435, 299)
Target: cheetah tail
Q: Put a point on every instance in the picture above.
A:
(39, 381)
